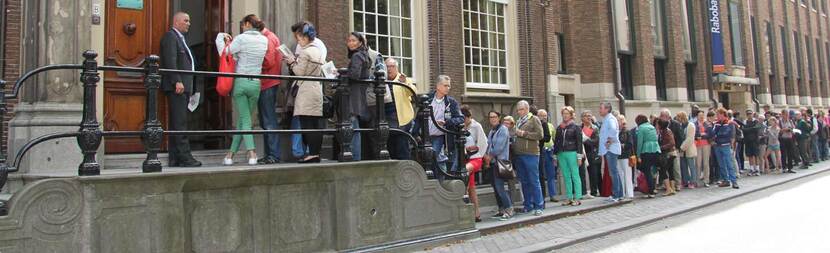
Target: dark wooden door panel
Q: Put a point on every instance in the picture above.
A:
(131, 36)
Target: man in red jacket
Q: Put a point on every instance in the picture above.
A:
(271, 65)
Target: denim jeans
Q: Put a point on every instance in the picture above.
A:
(438, 153)
(298, 149)
(727, 167)
(688, 169)
(505, 203)
(356, 141)
(816, 148)
(616, 175)
(528, 168)
(550, 172)
(268, 121)
(822, 145)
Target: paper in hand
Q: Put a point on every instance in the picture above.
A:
(194, 101)
(329, 70)
(286, 53)
(220, 42)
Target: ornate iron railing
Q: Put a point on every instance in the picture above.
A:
(90, 134)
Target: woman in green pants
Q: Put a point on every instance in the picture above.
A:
(248, 49)
(567, 147)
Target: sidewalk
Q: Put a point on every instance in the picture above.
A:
(562, 231)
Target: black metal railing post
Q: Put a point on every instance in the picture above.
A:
(153, 132)
(382, 126)
(345, 132)
(4, 168)
(461, 151)
(2, 122)
(425, 152)
(90, 132)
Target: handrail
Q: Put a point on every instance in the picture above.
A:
(90, 135)
(18, 84)
(238, 75)
(29, 145)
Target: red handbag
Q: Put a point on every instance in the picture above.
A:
(642, 184)
(224, 85)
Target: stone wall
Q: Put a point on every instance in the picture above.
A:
(328, 207)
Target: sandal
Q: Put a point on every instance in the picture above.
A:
(567, 202)
(576, 203)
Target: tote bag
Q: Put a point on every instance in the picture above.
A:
(224, 85)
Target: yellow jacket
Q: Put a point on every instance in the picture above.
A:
(403, 100)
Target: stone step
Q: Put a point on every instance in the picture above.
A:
(134, 161)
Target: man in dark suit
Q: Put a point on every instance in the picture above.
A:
(175, 54)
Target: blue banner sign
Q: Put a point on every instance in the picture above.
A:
(717, 40)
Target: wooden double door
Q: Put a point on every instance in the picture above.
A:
(133, 31)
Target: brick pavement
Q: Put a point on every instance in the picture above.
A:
(566, 231)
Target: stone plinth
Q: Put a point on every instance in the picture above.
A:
(295, 208)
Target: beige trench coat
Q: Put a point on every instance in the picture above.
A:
(309, 100)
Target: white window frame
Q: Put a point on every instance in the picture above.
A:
(687, 33)
(511, 55)
(420, 42)
(657, 28)
(623, 23)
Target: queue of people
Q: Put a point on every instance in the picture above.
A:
(593, 157)
(256, 50)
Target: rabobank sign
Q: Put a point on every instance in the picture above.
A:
(717, 39)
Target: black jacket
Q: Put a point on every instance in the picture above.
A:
(592, 145)
(568, 139)
(174, 56)
(752, 131)
(678, 133)
(627, 144)
(359, 69)
(545, 135)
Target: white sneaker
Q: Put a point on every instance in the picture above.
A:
(588, 196)
(227, 161)
(252, 161)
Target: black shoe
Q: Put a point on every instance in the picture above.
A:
(554, 200)
(190, 163)
(312, 160)
(790, 171)
(735, 185)
(268, 160)
(172, 163)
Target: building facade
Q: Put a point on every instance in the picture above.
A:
(645, 54)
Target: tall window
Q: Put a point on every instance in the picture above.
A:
(660, 79)
(622, 14)
(563, 66)
(820, 61)
(688, 26)
(809, 56)
(485, 50)
(798, 59)
(788, 70)
(627, 76)
(658, 29)
(769, 41)
(690, 81)
(827, 52)
(388, 28)
(756, 48)
(736, 30)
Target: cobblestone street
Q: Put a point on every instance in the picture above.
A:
(568, 231)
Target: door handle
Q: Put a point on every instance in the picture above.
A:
(130, 28)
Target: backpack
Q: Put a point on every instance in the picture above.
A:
(378, 64)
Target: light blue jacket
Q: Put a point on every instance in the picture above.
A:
(499, 143)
